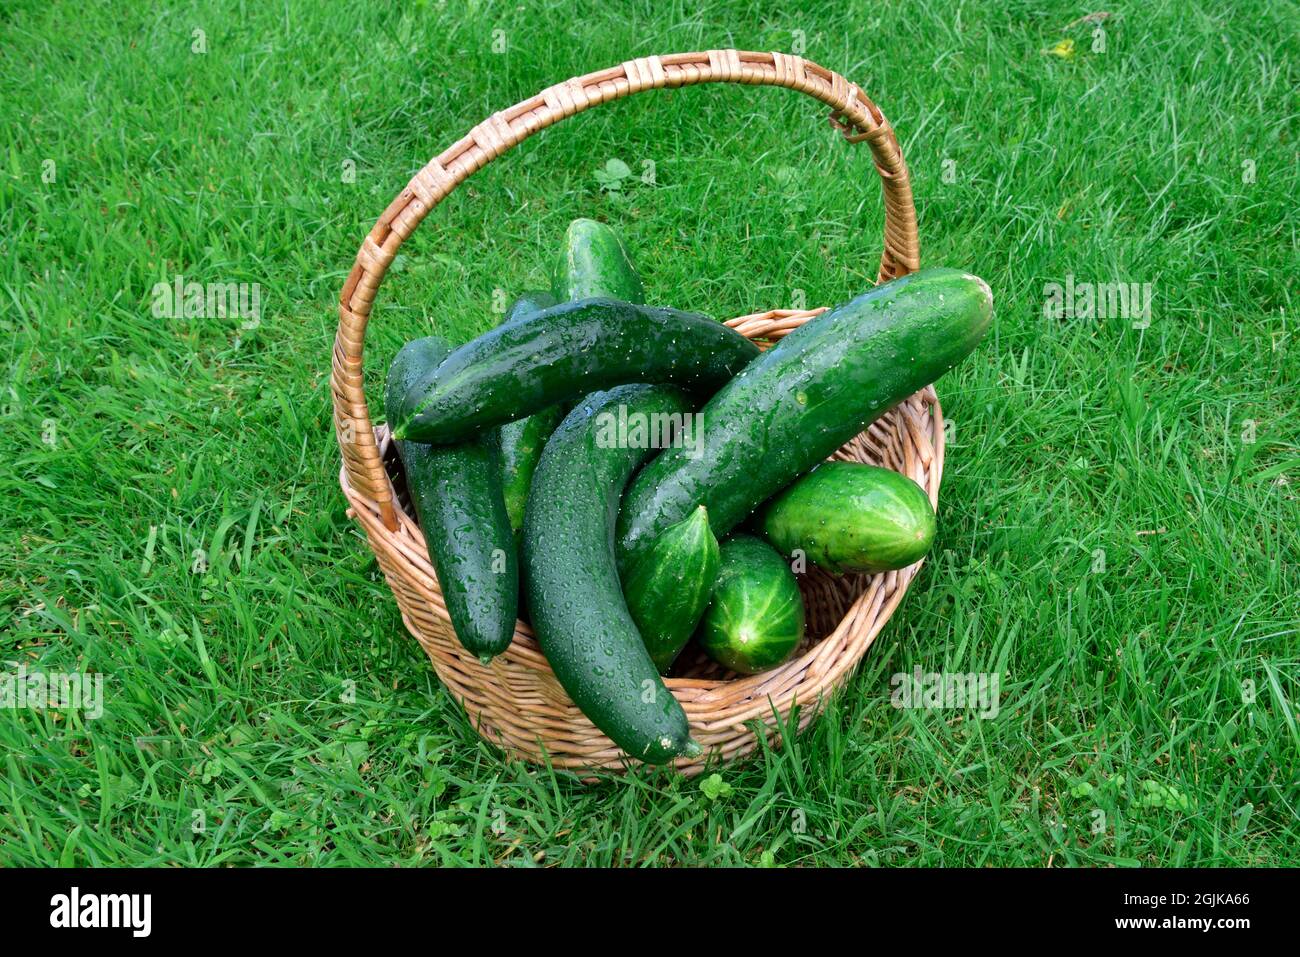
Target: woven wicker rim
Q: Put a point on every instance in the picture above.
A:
(516, 700)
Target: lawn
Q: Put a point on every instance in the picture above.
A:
(1118, 521)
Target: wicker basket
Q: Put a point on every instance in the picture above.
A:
(516, 701)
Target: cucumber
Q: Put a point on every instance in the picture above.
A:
(578, 612)
(534, 300)
(756, 619)
(563, 353)
(805, 397)
(669, 588)
(521, 444)
(411, 362)
(456, 491)
(847, 517)
(593, 263)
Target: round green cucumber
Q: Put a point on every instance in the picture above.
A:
(809, 394)
(578, 612)
(593, 263)
(756, 619)
(565, 352)
(456, 491)
(669, 588)
(847, 517)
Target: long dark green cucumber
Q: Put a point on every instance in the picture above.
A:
(456, 491)
(565, 352)
(594, 262)
(578, 612)
(670, 585)
(805, 397)
(412, 361)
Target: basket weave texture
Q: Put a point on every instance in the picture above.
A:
(515, 701)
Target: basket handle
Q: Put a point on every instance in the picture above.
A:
(852, 113)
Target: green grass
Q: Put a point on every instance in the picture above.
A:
(274, 698)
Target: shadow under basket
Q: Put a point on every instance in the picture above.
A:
(515, 700)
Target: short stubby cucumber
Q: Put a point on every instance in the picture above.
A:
(849, 517)
(805, 397)
(670, 586)
(578, 612)
(756, 619)
(562, 353)
(594, 262)
(456, 491)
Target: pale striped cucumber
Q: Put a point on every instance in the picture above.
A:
(594, 263)
(756, 619)
(849, 517)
